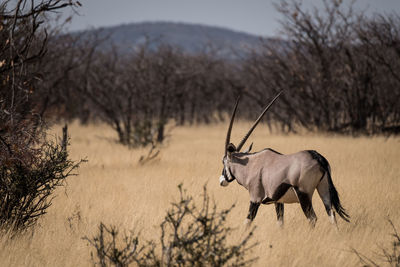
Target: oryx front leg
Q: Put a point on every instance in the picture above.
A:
(279, 208)
(252, 212)
(306, 205)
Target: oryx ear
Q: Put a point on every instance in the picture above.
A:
(231, 148)
(249, 149)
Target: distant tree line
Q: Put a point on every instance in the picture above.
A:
(138, 93)
(340, 72)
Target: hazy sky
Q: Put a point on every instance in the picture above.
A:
(252, 16)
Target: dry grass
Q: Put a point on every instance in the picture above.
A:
(113, 188)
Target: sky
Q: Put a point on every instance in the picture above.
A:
(257, 17)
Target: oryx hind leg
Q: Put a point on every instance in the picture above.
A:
(279, 208)
(323, 192)
(306, 205)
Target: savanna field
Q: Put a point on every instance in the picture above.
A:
(114, 189)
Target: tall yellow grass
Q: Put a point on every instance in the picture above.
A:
(113, 188)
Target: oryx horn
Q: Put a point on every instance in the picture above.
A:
(228, 134)
(256, 122)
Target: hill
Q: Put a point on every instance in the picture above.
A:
(191, 38)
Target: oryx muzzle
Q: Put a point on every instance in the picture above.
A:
(271, 177)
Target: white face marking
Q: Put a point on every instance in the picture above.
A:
(227, 171)
(222, 180)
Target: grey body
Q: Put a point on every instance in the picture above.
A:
(273, 178)
(262, 174)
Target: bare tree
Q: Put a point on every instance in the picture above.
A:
(139, 93)
(329, 69)
(31, 165)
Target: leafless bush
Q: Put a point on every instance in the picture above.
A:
(28, 177)
(109, 251)
(31, 165)
(190, 236)
(151, 155)
(390, 257)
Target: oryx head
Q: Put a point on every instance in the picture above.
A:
(231, 149)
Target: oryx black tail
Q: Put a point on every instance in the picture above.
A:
(334, 196)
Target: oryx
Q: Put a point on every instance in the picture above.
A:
(271, 177)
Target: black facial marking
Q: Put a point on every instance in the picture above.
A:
(280, 191)
(226, 176)
(239, 160)
(253, 210)
(233, 177)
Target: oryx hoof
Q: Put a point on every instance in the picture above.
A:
(312, 222)
(247, 223)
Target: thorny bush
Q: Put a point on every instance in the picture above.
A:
(31, 165)
(190, 236)
(390, 257)
(28, 177)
